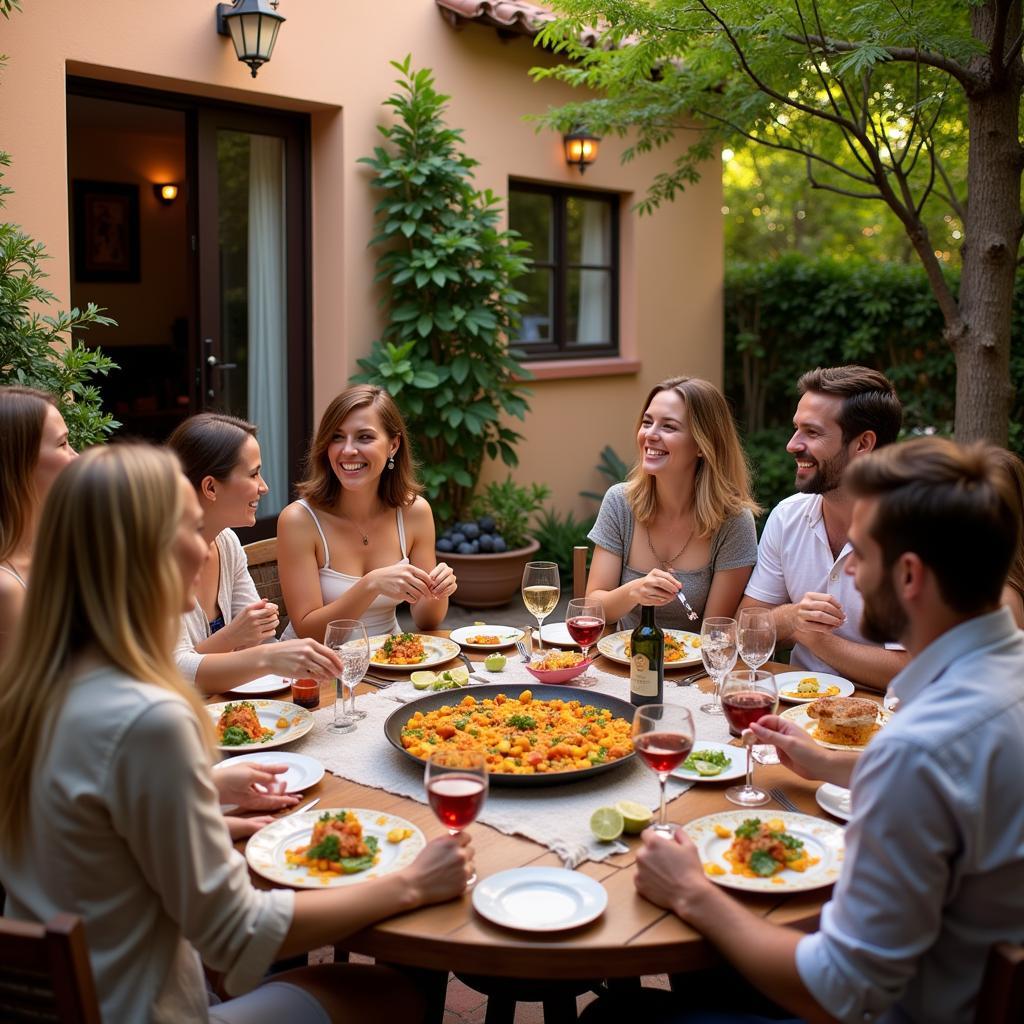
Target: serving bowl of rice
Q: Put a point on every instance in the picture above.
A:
(558, 666)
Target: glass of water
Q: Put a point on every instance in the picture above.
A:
(718, 652)
(348, 637)
(756, 644)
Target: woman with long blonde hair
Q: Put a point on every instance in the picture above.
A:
(684, 519)
(34, 449)
(109, 809)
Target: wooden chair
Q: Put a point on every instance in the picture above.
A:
(1001, 999)
(45, 973)
(579, 570)
(262, 558)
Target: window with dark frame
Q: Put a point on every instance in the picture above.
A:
(572, 289)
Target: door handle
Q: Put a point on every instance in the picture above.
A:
(214, 363)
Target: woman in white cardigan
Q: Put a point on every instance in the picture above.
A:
(110, 809)
(224, 635)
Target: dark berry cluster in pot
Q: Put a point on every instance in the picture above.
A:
(478, 537)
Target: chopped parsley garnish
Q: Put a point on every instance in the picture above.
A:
(749, 828)
(762, 862)
(522, 721)
(234, 735)
(461, 723)
(788, 841)
(329, 848)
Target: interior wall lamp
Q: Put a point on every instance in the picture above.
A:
(166, 193)
(253, 26)
(580, 148)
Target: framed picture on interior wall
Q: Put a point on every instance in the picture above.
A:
(106, 231)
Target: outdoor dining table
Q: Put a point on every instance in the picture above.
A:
(632, 937)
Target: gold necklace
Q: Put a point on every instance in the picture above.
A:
(666, 564)
(366, 539)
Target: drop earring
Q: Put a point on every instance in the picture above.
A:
(391, 462)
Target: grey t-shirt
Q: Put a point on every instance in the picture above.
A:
(733, 546)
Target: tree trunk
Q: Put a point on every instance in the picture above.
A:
(992, 232)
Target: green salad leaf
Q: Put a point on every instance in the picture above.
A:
(763, 863)
(234, 736)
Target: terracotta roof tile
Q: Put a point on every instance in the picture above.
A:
(513, 17)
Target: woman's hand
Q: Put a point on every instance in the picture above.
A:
(441, 870)
(656, 588)
(401, 582)
(253, 787)
(242, 828)
(254, 624)
(442, 581)
(302, 659)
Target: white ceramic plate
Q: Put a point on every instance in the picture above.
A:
(835, 800)
(799, 715)
(557, 633)
(787, 683)
(507, 635)
(613, 647)
(439, 650)
(539, 899)
(302, 773)
(822, 839)
(265, 684)
(269, 712)
(737, 755)
(265, 851)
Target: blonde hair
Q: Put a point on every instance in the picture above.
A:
(722, 484)
(104, 577)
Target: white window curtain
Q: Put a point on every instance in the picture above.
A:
(267, 308)
(592, 318)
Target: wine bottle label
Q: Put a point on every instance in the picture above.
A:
(643, 680)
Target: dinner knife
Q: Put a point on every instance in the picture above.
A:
(304, 807)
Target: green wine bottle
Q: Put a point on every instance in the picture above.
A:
(647, 661)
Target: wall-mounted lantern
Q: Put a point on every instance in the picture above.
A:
(253, 27)
(166, 193)
(580, 148)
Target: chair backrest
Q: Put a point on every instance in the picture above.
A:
(262, 558)
(1001, 999)
(579, 570)
(45, 973)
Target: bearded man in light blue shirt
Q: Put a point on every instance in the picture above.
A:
(934, 868)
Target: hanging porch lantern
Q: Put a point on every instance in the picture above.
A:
(580, 148)
(253, 27)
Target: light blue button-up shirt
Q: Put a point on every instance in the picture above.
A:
(934, 870)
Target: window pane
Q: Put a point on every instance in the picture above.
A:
(589, 301)
(529, 213)
(537, 314)
(588, 231)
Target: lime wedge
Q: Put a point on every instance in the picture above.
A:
(607, 824)
(459, 675)
(635, 817)
(707, 768)
(422, 680)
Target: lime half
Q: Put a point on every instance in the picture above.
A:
(459, 675)
(635, 817)
(706, 768)
(607, 824)
(422, 680)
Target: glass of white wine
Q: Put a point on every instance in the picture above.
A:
(541, 591)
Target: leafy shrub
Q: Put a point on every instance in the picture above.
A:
(558, 534)
(511, 506)
(611, 467)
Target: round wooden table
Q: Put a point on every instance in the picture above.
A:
(631, 938)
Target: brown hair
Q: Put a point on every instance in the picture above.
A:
(397, 487)
(22, 414)
(722, 486)
(209, 445)
(1014, 470)
(952, 506)
(105, 576)
(869, 399)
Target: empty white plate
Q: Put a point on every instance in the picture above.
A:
(303, 771)
(265, 684)
(539, 899)
(557, 633)
(835, 800)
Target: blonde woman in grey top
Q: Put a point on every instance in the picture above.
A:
(110, 808)
(684, 520)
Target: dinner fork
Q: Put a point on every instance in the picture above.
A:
(524, 652)
(469, 665)
(690, 613)
(783, 801)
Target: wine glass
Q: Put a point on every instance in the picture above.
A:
(348, 638)
(746, 697)
(584, 618)
(718, 652)
(663, 737)
(456, 784)
(756, 643)
(541, 591)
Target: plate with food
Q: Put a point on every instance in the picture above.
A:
(320, 849)
(245, 724)
(840, 723)
(403, 651)
(681, 647)
(783, 852)
(302, 772)
(712, 762)
(483, 636)
(835, 800)
(529, 741)
(803, 687)
(558, 666)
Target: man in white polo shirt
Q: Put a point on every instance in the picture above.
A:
(844, 412)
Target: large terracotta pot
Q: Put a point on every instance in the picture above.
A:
(487, 581)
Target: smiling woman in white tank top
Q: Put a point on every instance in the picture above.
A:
(360, 540)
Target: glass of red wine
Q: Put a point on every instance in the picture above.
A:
(746, 697)
(663, 737)
(584, 619)
(456, 784)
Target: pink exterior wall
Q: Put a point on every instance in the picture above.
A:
(332, 61)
